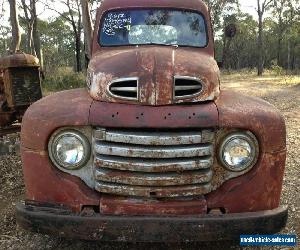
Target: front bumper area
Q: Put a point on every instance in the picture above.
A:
(149, 229)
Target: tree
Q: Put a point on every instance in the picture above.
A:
(73, 16)
(262, 7)
(14, 19)
(217, 8)
(30, 21)
(58, 44)
(87, 27)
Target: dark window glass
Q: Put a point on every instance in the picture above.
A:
(153, 26)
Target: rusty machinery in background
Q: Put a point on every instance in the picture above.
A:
(19, 88)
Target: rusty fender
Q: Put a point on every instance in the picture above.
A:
(257, 190)
(66, 108)
(260, 189)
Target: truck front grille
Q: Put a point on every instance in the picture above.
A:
(153, 163)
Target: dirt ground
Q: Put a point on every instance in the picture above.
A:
(283, 92)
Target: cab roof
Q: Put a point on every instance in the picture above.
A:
(197, 5)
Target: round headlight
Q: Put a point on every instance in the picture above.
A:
(239, 151)
(69, 150)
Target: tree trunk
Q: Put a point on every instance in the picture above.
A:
(260, 64)
(16, 35)
(279, 47)
(260, 61)
(29, 24)
(289, 55)
(78, 52)
(280, 33)
(35, 33)
(87, 28)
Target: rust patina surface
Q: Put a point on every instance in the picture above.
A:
(13, 100)
(18, 60)
(154, 171)
(67, 108)
(53, 112)
(154, 66)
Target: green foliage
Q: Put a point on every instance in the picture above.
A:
(58, 44)
(61, 79)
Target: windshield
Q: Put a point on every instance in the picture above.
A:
(155, 26)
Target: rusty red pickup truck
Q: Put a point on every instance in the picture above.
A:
(152, 150)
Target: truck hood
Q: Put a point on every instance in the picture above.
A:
(154, 68)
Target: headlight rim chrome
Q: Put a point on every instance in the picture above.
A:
(251, 139)
(54, 139)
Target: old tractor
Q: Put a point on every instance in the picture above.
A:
(19, 88)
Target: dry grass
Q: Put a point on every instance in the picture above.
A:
(269, 78)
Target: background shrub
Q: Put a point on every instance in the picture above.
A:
(61, 79)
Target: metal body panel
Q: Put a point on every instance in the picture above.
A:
(119, 205)
(115, 115)
(46, 184)
(255, 191)
(63, 109)
(154, 66)
(237, 111)
(18, 59)
(150, 228)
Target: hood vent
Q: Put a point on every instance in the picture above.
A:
(187, 87)
(124, 88)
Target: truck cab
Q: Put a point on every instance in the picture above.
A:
(152, 149)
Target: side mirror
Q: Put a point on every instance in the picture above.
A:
(230, 30)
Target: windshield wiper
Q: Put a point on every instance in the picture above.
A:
(162, 44)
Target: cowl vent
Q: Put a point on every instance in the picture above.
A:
(124, 88)
(187, 87)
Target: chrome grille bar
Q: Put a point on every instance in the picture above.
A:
(157, 179)
(153, 163)
(125, 89)
(190, 87)
(148, 138)
(106, 148)
(158, 192)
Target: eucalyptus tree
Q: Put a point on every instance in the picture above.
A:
(71, 11)
(14, 19)
(30, 21)
(262, 7)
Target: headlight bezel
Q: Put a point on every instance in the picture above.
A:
(54, 140)
(247, 136)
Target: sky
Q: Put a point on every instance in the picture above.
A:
(246, 6)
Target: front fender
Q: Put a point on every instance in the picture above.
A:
(66, 108)
(237, 111)
(260, 189)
